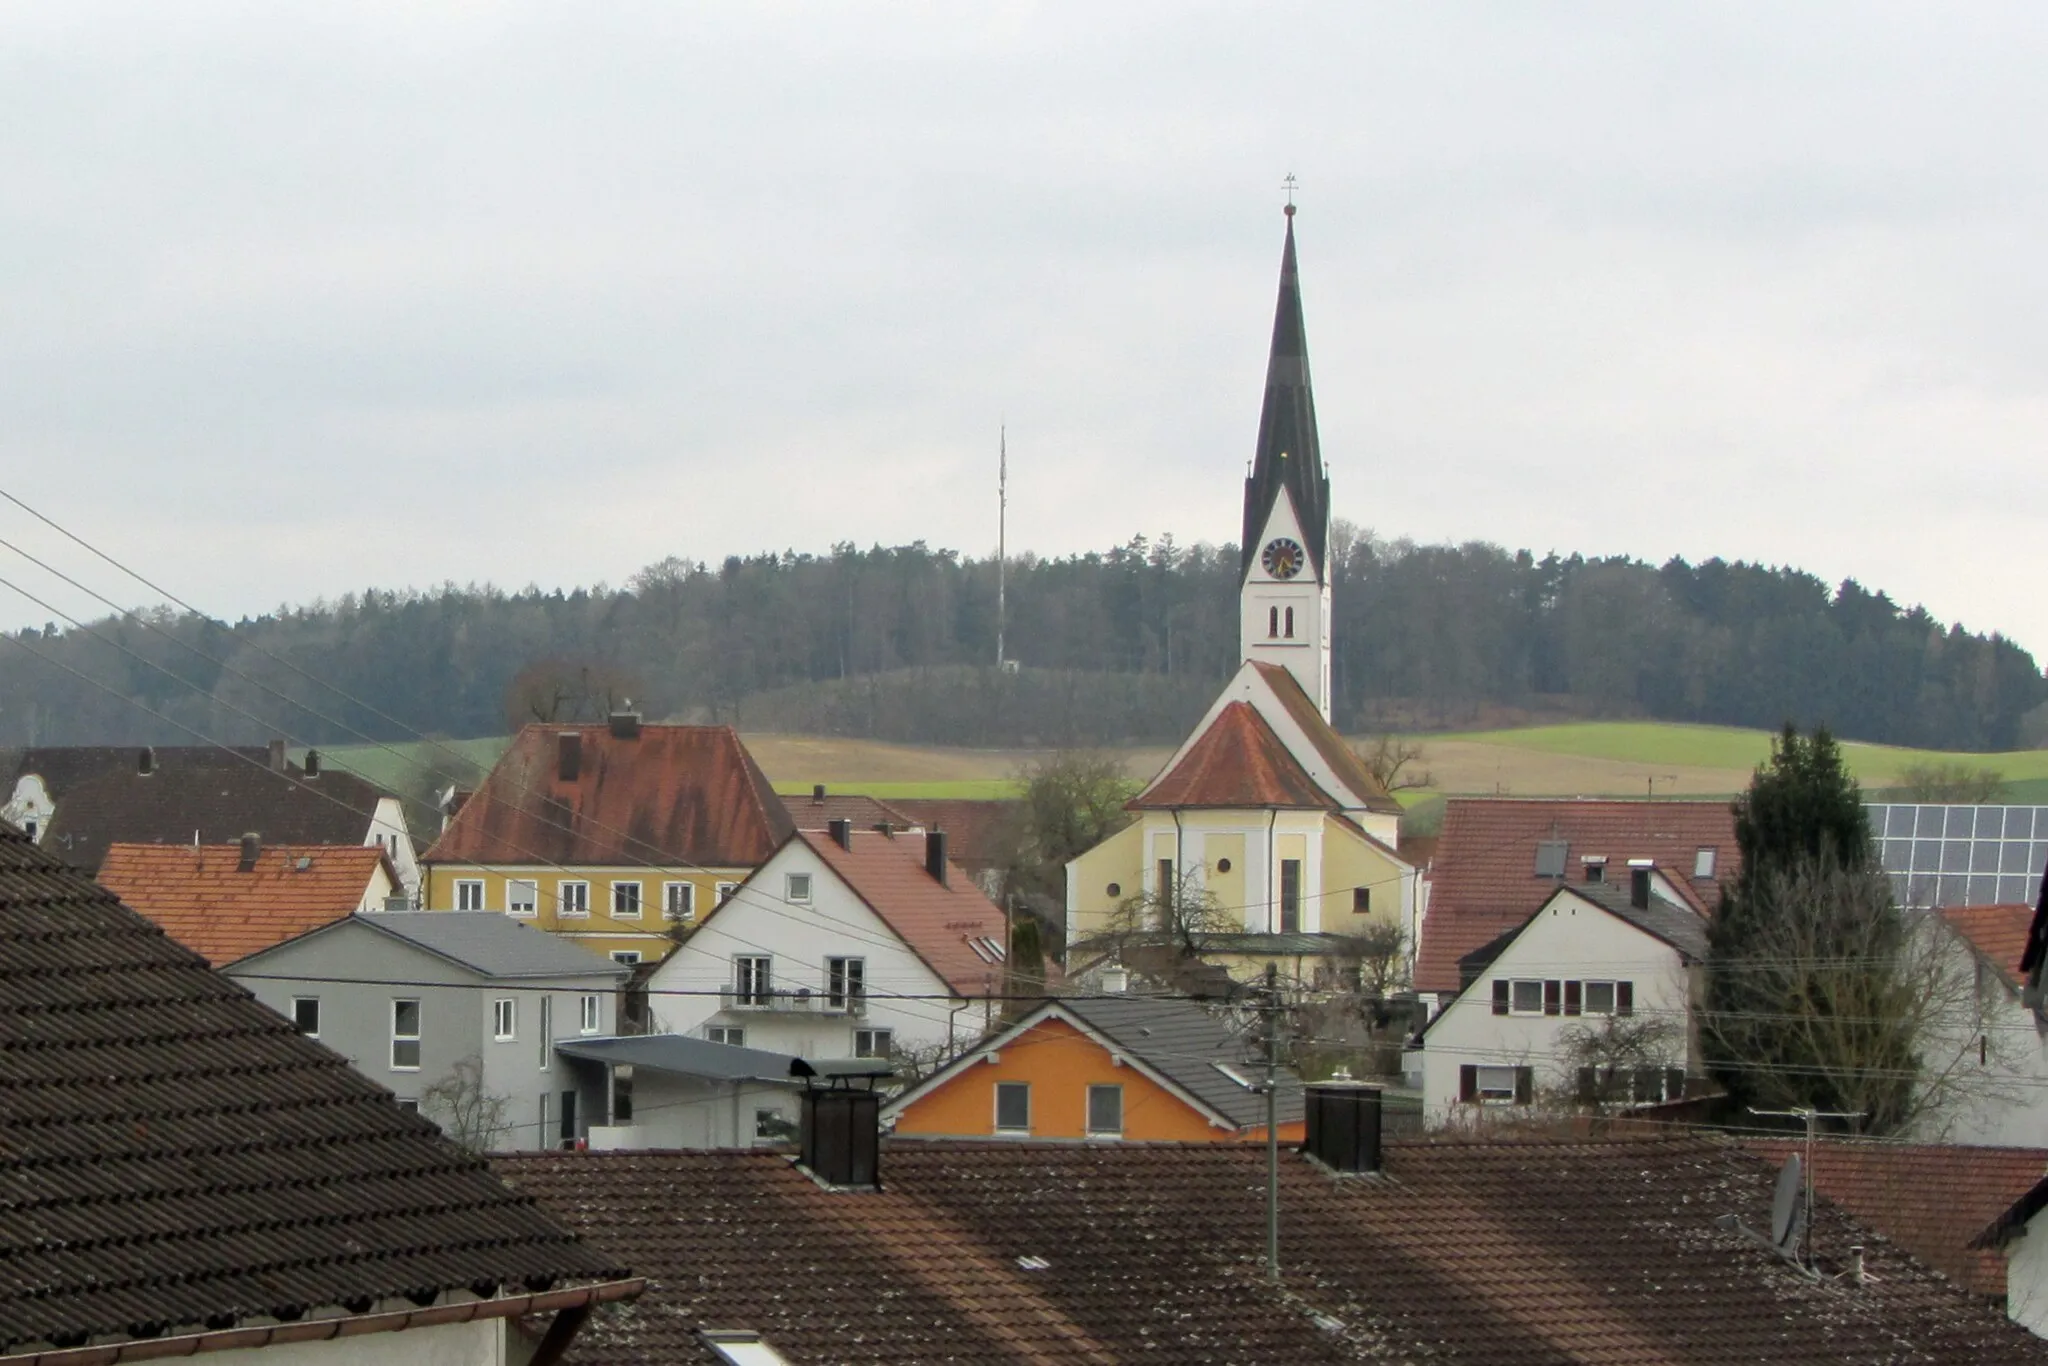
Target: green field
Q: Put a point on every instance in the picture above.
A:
(972, 789)
(411, 763)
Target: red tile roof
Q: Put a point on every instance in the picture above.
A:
(1608, 1253)
(204, 901)
(1483, 881)
(1999, 932)
(977, 831)
(1931, 1199)
(672, 796)
(817, 813)
(1237, 762)
(1335, 752)
(937, 920)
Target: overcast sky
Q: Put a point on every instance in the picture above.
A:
(298, 299)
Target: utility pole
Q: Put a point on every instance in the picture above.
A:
(1812, 1118)
(1002, 530)
(1269, 1010)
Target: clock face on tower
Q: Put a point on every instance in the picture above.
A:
(1283, 558)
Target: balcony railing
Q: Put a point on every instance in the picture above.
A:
(792, 1001)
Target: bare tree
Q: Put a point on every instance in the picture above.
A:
(1395, 763)
(559, 691)
(465, 1110)
(1605, 1062)
(1851, 1004)
(1958, 783)
(1376, 960)
(1178, 917)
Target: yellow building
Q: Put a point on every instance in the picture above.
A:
(1263, 809)
(609, 834)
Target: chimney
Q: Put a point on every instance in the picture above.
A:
(569, 755)
(842, 833)
(840, 1139)
(625, 723)
(277, 756)
(935, 856)
(1639, 888)
(1344, 1126)
(1116, 981)
(252, 847)
(145, 761)
(817, 792)
(312, 763)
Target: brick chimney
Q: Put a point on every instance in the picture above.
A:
(839, 1141)
(1343, 1129)
(935, 855)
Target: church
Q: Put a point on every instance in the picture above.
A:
(1264, 817)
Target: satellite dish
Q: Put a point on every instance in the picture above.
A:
(1788, 1206)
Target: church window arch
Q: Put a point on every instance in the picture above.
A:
(1290, 623)
(1272, 623)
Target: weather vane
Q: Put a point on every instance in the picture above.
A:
(1289, 185)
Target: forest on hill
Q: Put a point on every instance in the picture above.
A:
(1125, 645)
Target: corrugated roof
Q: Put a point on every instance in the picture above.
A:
(213, 795)
(487, 942)
(175, 1156)
(1549, 1253)
(939, 921)
(1932, 1199)
(1237, 762)
(1185, 1044)
(1342, 759)
(670, 796)
(1483, 880)
(205, 902)
(1998, 932)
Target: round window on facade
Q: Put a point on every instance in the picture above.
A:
(1223, 865)
(1116, 889)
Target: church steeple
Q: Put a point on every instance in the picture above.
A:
(1288, 456)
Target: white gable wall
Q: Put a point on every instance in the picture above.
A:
(1990, 1045)
(1570, 938)
(684, 992)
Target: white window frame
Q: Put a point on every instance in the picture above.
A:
(581, 896)
(415, 1038)
(1586, 998)
(626, 957)
(1514, 986)
(796, 888)
(873, 1043)
(639, 894)
(996, 1100)
(735, 1035)
(846, 983)
(300, 1025)
(590, 1018)
(753, 985)
(686, 893)
(1088, 1114)
(530, 888)
(469, 894)
(722, 893)
(1703, 861)
(1493, 1095)
(505, 1019)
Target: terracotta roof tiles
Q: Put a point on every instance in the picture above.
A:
(1238, 762)
(1998, 932)
(938, 921)
(204, 901)
(1341, 758)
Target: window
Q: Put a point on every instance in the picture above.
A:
(1361, 901)
(306, 1015)
(1526, 998)
(1290, 895)
(622, 1094)
(796, 887)
(626, 900)
(1289, 633)
(1272, 623)
(1703, 863)
(1485, 1085)
(504, 1016)
(872, 1043)
(731, 1034)
(679, 900)
(1596, 870)
(724, 892)
(770, 1124)
(547, 1031)
(589, 1019)
(1599, 998)
(405, 1036)
(752, 979)
(1013, 1107)
(630, 957)
(846, 983)
(1105, 1112)
(574, 898)
(410, 1106)
(1164, 883)
(522, 896)
(469, 894)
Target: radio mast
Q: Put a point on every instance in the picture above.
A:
(1002, 528)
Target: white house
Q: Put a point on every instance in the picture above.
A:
(1596, 965)
(1986, 1050)
(842, 944)
(2021, 1233)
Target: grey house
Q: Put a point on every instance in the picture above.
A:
(457, 1012)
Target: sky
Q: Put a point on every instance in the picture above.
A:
(296, 300)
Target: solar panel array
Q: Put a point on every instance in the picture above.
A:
(1962, 855)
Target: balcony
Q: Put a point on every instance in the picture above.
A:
(791, 1001)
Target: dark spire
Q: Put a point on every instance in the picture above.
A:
(1289, 455)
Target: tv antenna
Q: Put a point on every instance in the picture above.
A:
(1792, 1205)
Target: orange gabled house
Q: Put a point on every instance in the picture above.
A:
(1115, 1068)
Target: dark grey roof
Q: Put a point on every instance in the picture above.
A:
(1300, 944)
(1187, 1045)
(493, 945)
(1682, 929)
(1289, 455)
(691, 1057)
(174, 1156)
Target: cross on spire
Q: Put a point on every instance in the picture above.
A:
(1290, 184)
